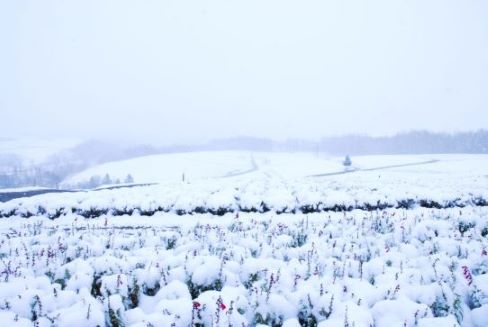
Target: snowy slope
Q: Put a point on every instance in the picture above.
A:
(169, 167)
(198, 165)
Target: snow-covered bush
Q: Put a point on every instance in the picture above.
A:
(392, 267)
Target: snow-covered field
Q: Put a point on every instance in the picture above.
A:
(281, 183)
(421, 267)
(208, 165)
(262, 239)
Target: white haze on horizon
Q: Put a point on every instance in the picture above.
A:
(186, 71)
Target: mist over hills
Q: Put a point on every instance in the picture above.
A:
(16, 172)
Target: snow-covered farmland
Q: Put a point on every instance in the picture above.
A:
(399, 241)
(420, 267)
(281, 183)
(199, 166)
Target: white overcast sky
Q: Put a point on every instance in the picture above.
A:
(189, 70)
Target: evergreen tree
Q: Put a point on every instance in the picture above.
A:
(106, 180)
(94, 181)
(129, 179)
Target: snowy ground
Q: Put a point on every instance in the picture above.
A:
(283, 183)
(209, 165)
(144, 260)
(422, 267)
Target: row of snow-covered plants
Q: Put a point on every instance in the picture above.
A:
(420, 267)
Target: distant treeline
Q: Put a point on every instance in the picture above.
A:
(419, 142)
(416, 142)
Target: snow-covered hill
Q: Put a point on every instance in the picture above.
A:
(204, 165)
